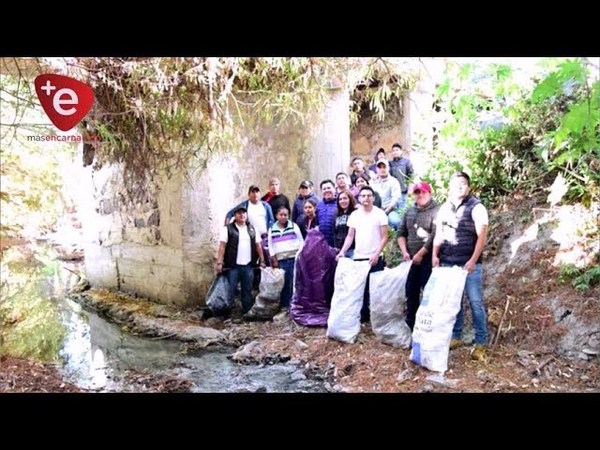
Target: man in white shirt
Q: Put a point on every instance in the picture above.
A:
(260, 214)
(368, 227)
(461, 230)
(239, 252)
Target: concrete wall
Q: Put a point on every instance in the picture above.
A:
(133, 247)
(412, 127)
(163, 246)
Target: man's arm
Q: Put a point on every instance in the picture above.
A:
(402, 235)
(437, 242)
(479, 215)
(384, 238)
(481, 238)
(261, 255)
(403, 248)
(396, 194)
(220, 255)
(270, 216)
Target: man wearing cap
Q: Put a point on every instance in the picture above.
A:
(238, 253)
(388, 188)
(415, 239)
(305, 191)
(260, 214)
(373, 167)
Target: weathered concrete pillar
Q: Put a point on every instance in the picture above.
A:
(330, 146)
(406, 139)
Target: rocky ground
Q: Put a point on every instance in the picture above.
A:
(544, 334)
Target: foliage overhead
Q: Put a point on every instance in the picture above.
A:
(162, 115)
(513, 136)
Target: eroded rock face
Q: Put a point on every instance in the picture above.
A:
(152, 319)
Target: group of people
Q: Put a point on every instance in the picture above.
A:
(354, 214)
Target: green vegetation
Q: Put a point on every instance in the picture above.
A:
(161, 115)
(29, 324)
(514, 137)
(580, 279)
(31, 192)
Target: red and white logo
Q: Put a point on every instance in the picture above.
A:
(65, 100)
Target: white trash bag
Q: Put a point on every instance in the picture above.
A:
(436, 316)
(266, 303)
(343, 322)
(388, 303)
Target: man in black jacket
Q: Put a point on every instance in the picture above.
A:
(238, 253)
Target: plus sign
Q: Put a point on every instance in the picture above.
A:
(48, 88)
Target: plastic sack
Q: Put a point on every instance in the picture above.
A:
(219, 298)
(343, 323)
(266, 303)
(314, 275)
(436, 315)
(388, 303)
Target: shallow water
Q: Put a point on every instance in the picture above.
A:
(96, 354)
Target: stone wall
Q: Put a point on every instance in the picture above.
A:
(411, 127)
(370, 134)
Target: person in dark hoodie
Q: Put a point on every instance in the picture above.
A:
(415, 239)
(274, 197)
(362, 181)
(309, 219)
(305, 191)
(358, 169)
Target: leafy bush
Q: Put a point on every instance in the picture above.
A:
(510, 137)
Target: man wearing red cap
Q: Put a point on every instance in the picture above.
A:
(415, 238)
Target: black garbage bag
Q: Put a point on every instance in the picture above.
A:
(219, 298)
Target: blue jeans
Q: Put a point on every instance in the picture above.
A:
(402, 200)
(288, 286)
(394, 219)
(244, 275)
(474, 291)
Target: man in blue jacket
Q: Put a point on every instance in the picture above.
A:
(260, 214)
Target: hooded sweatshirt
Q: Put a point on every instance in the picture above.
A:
(421, 223)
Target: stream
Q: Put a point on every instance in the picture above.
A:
(96, 354)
